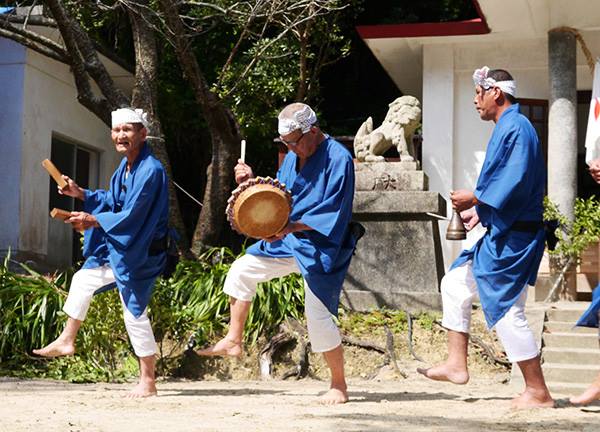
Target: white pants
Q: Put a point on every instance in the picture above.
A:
(249, 270)
(85, 282)
(458, 292)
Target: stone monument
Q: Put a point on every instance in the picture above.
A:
(398, 263)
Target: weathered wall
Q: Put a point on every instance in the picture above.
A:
(12, 65)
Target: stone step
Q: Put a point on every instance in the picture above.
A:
(570, 340)
(564, 314)
(570, 373)
(566, 388)
(567, 327)
(580, 356)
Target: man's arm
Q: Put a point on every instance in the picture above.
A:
(242, 172)
(463, 199)
(594, 168)
(291, 227)
(72, 189)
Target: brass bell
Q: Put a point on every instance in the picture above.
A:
(456, 229)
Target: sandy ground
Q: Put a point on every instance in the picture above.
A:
(384, 404)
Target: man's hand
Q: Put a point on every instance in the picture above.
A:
(595, 170)
(242, 172)
(462, 199)
(470, 218)
(82, 221)
(291, 227)
(72, 189)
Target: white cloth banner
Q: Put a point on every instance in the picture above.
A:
(592, 136)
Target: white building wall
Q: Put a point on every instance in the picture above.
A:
(51, 106)
(12, 65)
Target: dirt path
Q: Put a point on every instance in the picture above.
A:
(414, 405)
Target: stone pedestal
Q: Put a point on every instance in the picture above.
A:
(398, 263)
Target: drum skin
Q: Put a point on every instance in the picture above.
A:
(259, 207)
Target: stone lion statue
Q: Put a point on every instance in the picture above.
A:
(397, 129)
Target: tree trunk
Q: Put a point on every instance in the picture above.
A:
(145, 96)
(224, 130)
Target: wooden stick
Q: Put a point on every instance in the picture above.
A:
(61, 214)
(54, 173)
(243, 152)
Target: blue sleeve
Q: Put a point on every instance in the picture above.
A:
(331, 215)
(123, 227)
(95, 201)
(504, 171)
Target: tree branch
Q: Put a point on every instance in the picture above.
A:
(35, 20)
(85, 58)
(34, 41)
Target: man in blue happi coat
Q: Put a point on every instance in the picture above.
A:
(124, 243)
(316, 242)
(508, 201)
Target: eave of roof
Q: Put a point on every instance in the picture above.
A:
(456, 28)
(474, 26)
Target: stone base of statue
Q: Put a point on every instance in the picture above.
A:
(398, 263)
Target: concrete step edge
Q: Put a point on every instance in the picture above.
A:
(570, 366)
(574, 335)
(571, 350)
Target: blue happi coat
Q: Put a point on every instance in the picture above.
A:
(131, 214)
(590, 317)
(510, 188)
(322, 195)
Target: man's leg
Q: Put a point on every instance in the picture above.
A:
(144, 345)
(231, 344)
(458, 291)
(325, 337)
(521, 347)
(241, 281)
(85, 282)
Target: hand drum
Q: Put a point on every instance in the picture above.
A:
(259, 207)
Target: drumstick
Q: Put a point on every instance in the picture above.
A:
(243, 153)
(61, 214)
(54, 173)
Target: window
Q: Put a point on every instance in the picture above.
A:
(536, 110)
(81, 164)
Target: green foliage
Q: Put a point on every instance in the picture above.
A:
(577, 235)
(373, 322)
(30, 306)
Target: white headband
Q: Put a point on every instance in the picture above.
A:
(302, 119)
(129, 115)
(480, 78)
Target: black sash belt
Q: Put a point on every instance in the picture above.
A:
(527, 226)
(158, 246)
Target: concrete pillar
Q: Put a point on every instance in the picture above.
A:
(438, 130)
(562, 120)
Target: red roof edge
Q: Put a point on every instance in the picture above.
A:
(454, 28)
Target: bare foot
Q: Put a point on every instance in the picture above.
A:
(591, 394)
(334, 396)
(143, 390)
(444, 372)
(533, 399)
(57, 348)
(225, 347)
